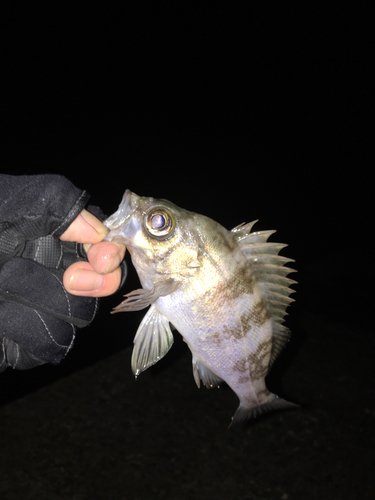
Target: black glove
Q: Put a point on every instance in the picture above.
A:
(38, 317)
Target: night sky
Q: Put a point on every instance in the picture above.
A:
(239, 114)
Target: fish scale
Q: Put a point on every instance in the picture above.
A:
(226, 292)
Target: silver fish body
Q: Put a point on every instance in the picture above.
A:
(225, 292)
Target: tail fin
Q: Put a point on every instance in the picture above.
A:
(273, 403)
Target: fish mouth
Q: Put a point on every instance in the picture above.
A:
(116, 222)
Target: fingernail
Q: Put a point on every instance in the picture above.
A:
(94, 222)
(114, 261)
(86, 247)
(84, 280)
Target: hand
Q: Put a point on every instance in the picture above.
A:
(101, 276)
(38, 318)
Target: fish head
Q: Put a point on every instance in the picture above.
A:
(160, 237)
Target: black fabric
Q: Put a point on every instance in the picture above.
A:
(42, 289)
(38, 317)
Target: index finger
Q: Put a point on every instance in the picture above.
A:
(86, 228)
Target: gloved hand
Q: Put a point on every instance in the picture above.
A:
(38, 317)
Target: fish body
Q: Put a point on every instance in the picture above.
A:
(224, 291)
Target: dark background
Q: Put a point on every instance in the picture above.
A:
(240, 114)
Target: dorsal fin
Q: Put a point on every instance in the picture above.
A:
(270, 272)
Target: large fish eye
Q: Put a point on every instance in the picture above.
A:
(159, 223)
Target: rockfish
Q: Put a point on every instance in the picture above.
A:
(225, 292)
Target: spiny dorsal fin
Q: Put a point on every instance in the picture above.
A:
(270, 272)
(242, 230)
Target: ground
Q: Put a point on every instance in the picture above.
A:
(87, 430)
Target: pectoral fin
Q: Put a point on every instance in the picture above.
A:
(151, 342)
(141, 298)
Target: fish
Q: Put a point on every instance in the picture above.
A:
(225, 291)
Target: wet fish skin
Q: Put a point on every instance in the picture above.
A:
(226, 293)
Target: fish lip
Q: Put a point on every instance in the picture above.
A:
(122, 215)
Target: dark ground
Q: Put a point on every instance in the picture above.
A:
(87, 430)
(237, 115)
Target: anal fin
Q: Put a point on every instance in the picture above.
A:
(201, 372)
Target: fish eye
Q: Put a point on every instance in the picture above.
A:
(159, 223)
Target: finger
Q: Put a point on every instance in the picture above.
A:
(86, 228)
(105, 256)
(81, 279)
